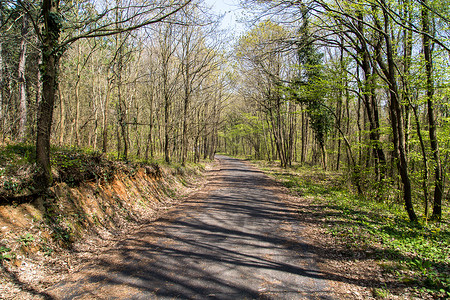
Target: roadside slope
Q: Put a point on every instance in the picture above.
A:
(44, 238)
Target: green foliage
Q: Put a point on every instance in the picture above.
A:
(60, 231)
(26, 239)
(313, 182)
(262, 36)
(74, 166)
(17, 154)
(46, 249)
(417, 254)
(16, 168)
(310, 88)
(381, 293)
(6, 253)
(11, 186)
(248, 127)
(418, 251)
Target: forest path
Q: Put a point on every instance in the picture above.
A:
(236, 240)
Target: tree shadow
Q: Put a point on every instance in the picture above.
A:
(238, 242)
(367, 249)
(14, 279)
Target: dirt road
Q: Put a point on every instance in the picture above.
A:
(237, 241)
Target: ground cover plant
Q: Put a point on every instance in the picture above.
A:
(415, 255)
(70, 165)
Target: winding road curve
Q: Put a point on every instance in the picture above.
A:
(237, 241)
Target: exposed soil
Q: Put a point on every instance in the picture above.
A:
(190, 251)
(46, 244)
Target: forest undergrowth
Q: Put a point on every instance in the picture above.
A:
(415, 255)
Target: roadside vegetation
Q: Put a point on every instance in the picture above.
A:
(70, 165)
(416, 254)
(93, 200)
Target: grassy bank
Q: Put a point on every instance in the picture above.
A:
(416, 255)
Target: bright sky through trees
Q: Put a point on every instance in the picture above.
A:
(233, 14)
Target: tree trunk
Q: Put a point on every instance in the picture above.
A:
(149, 144)
(23, 105)
(396, 116)
(370, 102)
(49, 71)
(323, 149)
(105, 118)
(425, 162)
(184, 137)
(121, 103)
(437, 202)
(38, 86)
(2, 115)
(77, 99)
(121, 114)
(185, 67)
(166, 129)
(62, 112)
(277, 137)
(305, 121)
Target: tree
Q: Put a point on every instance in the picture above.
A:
(197, 62)
(268, 69)
(388, 68)
(427, 51)
(308, 88)
(167, 47)
(23, 106)
(91, 24)
(392, 83)
(2, 113)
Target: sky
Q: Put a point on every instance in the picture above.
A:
(232, 13)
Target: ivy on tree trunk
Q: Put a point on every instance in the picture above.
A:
(49, 72)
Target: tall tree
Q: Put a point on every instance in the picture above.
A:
(268, 70)
(51, 54)
(309, 88)
(427, 52)
(388, 69)
(96, 25)
(167, 48)
(1, 68)
(197, 62)
(23, 105)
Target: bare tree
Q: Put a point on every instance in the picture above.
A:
(55, 36)
(1, 72)
(197, 62)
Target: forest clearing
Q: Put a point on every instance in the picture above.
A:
(113, 113)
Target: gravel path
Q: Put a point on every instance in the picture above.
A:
(236, 240)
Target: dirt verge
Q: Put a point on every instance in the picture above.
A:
(51, 236)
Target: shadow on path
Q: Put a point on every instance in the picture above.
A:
(238, 242)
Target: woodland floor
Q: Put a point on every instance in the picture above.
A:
(241, 236)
